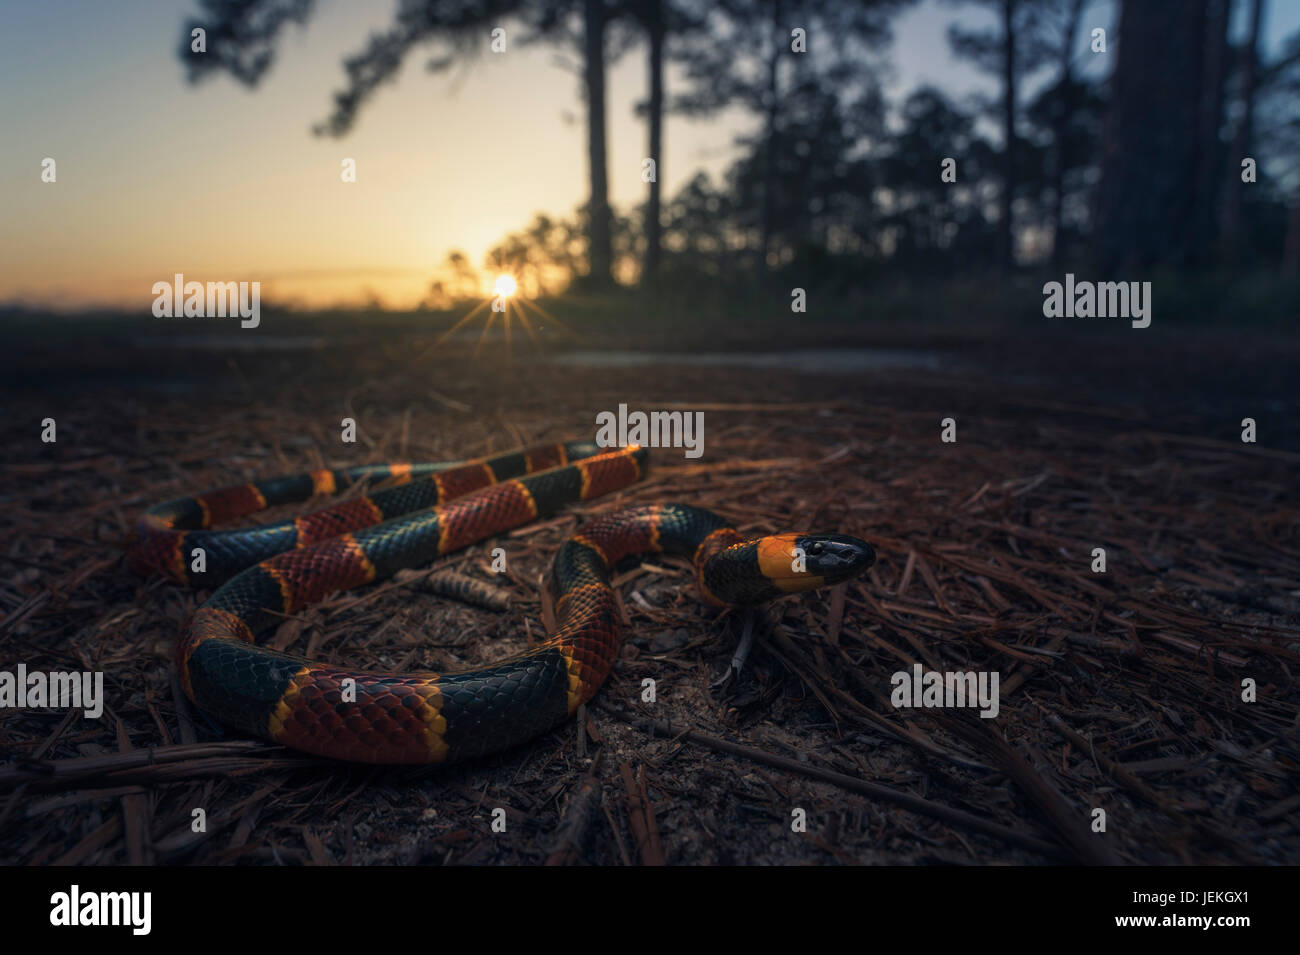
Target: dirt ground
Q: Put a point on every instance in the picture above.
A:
(1120, 691)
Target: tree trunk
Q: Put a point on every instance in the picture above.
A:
(653, 226)
(1065, 83)
(600, 254)
(1005, 252)
(1200, 240)
(1242, 140)
(769, 142)
(1149, 147)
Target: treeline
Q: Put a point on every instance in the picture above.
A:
(1178, 153)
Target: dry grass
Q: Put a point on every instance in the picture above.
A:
(1119, 691)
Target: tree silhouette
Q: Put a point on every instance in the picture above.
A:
(242, 35)
(1230, 232)
(1011, 52)
(929, 224)
(660, 21)
(1058, 107)
(1152, 145)
(744, 55)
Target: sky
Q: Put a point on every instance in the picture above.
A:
(219, 183)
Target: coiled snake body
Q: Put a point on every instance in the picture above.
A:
(367, 716)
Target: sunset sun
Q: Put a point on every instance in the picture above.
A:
(505, 286)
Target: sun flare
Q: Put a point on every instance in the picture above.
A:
(510, 306)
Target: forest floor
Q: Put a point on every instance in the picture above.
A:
(1120, 691)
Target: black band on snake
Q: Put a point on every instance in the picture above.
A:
(265, 573)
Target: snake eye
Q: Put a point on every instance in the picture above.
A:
(815, 547)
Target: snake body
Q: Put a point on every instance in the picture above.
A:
(268, 572)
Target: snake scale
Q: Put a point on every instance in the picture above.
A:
(262, 574)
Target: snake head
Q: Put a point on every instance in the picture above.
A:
(835, 557)
(795, 562)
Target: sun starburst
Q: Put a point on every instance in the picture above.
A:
(507, 300)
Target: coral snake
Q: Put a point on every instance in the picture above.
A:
(264, 573)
